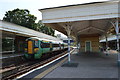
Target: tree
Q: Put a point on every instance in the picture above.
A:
(44, 29)
(24, 18)
(21, 17)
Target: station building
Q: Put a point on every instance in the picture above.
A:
(89, 43)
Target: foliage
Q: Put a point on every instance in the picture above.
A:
(24, 18)
(44, 29)
(21, 17)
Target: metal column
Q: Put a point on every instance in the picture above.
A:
(78, 47)
(68, 29)
(106, 41)
(78, 44)
(117, 36)
(69, 49)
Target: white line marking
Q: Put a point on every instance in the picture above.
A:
(42, 66)
(11, 56)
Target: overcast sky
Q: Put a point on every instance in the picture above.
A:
(34, 5)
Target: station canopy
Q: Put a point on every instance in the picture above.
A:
(10, 29)
(94, 18)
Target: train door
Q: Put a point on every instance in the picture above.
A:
(51, 46)
(60, 46)
(30, 47)
(36, 45)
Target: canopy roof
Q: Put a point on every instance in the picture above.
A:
(83, 19)
(23, 31)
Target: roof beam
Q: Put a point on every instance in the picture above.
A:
(91, 28)
(83, 29)
(98, 29)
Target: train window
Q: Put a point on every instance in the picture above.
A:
(45, 45)
(26, 45)
(36, 43)
(62, 45)
(56, 45)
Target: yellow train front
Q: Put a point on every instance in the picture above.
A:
(36, 47)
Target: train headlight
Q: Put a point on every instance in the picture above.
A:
(25, 49)
(36, 49)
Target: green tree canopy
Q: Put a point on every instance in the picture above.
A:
(45, 29)
(21, 17)
(24, 18)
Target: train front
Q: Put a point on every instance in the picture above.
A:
(32, 49)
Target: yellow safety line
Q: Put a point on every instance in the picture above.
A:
(41, 75)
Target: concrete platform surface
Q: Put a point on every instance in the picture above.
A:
(90, 65)
(4, 56)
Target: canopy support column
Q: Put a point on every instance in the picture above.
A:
(106, 41)
(117, 36)
(116, 26)
(68, 29)
(69, 59)
(78, 44)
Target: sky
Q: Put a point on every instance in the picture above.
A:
(34, 5)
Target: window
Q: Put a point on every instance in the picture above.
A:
(36, 44)
(62, 45)
(7, 44)
(26, 44)
(45, 45)
(56, 45)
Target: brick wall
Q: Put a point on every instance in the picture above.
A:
(94, 42)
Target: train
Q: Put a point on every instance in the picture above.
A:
(36, 47)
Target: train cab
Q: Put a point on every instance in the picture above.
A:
(31, 47)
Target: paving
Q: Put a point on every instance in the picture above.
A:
(11, 59)
(11, 55)
(92, 66)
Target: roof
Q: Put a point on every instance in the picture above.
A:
(23, 31)
(92, 19)
(78, 4)
(110, 38)
(46, 40)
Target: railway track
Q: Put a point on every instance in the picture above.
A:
(28, 66)
(11, 62)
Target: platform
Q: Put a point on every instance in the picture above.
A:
(5, 56)
(91, 66)
(11, 59)
(83, 66)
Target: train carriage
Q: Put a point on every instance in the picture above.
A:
(36, 47)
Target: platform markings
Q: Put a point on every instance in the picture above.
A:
(11, 56)
(19, 77)
(41, 75)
